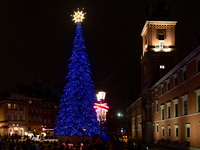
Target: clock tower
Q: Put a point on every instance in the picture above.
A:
(158, 57)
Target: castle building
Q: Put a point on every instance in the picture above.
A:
(170, 88)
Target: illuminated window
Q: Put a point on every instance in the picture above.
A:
(30, 101)
(9, 106)
(168, 110)
(156, 105)
(175, 107)
(156, 127)
(185, 104)
(15, 106)
(55, 107)
(162, 112)
(162, 66)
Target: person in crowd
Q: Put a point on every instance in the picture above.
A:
(98, 144)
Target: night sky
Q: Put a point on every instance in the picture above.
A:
(36, 40)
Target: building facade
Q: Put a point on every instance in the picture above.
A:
(31, 113)
(170, 88)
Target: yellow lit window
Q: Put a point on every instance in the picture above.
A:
(9, 106)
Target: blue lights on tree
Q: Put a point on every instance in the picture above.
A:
(77, 116)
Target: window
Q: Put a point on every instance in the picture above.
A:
(34, 119)
(15, 106)
(162, 112)
(152, 107)
(9, 106)
(163, 131)
(168, 110)
(156, 127)
(39, 119)
(139, 119)
(29, 119)
(185, 104)
(198, 99)
(169, 131)
(175, 107)
(15, 117)
(176, 130)
(168, 85)
(161, 34)
(156, 91)
(175, 80)
(162, 89)
(162, 66)
(30, 101)
(198, 66)
(49, 113)
(152, 127)
(55, 107)
(49, 121)
(184, 73)
(45, 121)
(156, 105)
(45, 112)
(21, 107)
(187, 126)
(9, 117)
(21, 117)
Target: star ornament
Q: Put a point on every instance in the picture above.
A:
(78, 16)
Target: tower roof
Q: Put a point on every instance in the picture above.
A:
(158, 10)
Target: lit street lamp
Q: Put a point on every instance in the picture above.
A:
(101, 108)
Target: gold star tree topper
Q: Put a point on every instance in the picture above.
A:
(78, 16)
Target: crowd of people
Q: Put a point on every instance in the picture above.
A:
(29, 144)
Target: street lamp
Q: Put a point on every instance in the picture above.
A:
(101, 108)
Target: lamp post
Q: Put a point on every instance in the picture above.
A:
(101, 108)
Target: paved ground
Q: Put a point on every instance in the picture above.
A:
(150, 146)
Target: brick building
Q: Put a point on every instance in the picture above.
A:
(170, 88)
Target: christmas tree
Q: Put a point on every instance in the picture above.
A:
(77, 116)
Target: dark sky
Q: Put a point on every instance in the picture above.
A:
(36, 39)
